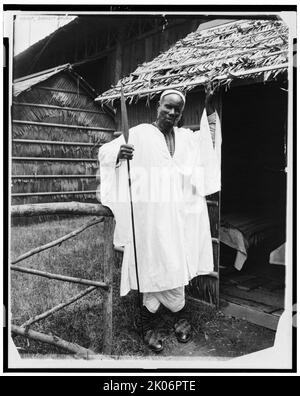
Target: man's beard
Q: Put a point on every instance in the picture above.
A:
(166, 124)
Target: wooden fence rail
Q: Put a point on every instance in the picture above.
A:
(63, 278)
(78, 209)
(58, 307)
(53, 340)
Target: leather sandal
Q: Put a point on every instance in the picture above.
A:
(153, 340)
(183, 330)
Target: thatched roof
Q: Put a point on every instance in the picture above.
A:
(216, 56)
(25, 83)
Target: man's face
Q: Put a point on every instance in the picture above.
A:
(170, 110)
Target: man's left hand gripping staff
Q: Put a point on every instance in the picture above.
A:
(125, 152)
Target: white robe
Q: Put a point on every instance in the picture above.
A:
(172, 229)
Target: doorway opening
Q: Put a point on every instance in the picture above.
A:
(253, 202)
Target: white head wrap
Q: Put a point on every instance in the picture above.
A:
(172, 91)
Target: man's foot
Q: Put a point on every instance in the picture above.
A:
(148, 324)
(153, 340)
(183, 330)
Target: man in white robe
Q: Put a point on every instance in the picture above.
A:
(172, 170)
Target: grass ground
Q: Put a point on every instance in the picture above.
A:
(213, 333)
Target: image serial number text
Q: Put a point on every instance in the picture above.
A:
(150, 385)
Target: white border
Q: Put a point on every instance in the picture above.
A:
(278, 357)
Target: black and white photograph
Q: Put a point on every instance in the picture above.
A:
(150, 196)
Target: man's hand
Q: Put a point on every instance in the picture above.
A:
(125, 152)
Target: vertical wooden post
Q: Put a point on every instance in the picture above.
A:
(118, 56)
(108, 264)
(148, 48)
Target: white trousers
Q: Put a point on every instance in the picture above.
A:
(173, 299)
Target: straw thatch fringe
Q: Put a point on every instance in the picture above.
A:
(53, 168)
(68, 117)
(88, 197)
(79, 100)
(59, 83)
(225, 51)
(204, 288)
(35, 132)
(53, 185)
(46, 150)
(65, 126)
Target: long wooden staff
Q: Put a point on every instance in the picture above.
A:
(125, 130)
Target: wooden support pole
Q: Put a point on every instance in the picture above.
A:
(53, 340)
(118, 54)
(50, 70)
(60, 90)
(63, 278)
(75, 208)
(108, 278)
(57, 241)
(58, 307)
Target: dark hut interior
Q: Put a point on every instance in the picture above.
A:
(253, 147)
(253, 197)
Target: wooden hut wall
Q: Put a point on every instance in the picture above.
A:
(99, 74)
(147, 47)
(57, 131)
(117, 63)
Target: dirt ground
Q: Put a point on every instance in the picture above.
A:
(213, 335)
(223, 337)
